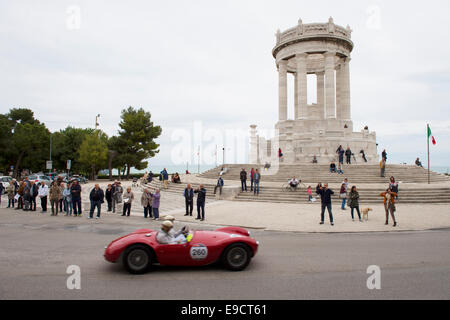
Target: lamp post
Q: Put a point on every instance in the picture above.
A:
(96, 121)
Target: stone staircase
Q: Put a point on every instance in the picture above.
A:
(367, 196)
(313, 173)
(365, 175)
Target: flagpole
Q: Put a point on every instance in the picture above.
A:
(198, 168)
(428, 151)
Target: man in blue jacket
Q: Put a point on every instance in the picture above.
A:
(325, 196)
(201, 199)
(189, 199)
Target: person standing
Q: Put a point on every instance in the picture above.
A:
(252, 176)
(34, 191)
(384, 155)
(117, 195)
(68, 200)
(389, 205)
(128, 198)
(348, 155)
(243, 177)
(257, 179)
(343, 193)
(27, 197)
(309, 194)
(189, 199)
(20, 192)
(155, 204)
(354, 202)
(61, 197)
(10, 192)
(219, 185)
(109, 197)
(165, 178)
(55, 193)
(201, 199)
(150, 177)
(43, 194)
(16, 188)
(382, 167)
(75, 190)
(325, 196)
(340, 151)
(1, 192)
(96, 196)
(146, 203)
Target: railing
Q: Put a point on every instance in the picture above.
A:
(313, 29)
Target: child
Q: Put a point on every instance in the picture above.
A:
(340, 169)
(309, 194)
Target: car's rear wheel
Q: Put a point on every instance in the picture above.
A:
(137, 259)
(236, 257)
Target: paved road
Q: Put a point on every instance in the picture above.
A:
(35, 252)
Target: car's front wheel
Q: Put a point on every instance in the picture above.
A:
(236, 257)
(137, 259)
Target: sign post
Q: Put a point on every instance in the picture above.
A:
(69, 163)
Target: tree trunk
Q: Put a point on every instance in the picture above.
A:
(128, 171)
(19, 160)
(93, 172)
(112, 155)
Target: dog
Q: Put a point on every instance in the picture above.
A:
(365, 213)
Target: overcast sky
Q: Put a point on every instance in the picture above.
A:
(210, 61)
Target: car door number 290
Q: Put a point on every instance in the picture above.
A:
(199, 252)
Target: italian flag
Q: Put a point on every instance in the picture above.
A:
(431, 135)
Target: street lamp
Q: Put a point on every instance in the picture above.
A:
(96, 121)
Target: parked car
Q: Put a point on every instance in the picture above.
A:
(4, 180)
(81, 179)
(38, 178)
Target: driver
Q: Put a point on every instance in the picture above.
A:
(168, 236)
(293, 183)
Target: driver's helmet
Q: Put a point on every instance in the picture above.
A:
(167, 224)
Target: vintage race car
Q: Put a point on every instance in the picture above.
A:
(139, 250)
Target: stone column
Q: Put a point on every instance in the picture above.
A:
(301, 85)
(282, 90)
(329, 85)
(295, 97)
(253, 154)
(320, 93)
(339, 92)
(345, 96)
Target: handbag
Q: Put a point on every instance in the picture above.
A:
(342, 195)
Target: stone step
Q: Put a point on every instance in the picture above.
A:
(338, 202)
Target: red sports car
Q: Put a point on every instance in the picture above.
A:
(139, 250)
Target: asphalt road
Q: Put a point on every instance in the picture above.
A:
(35, 253)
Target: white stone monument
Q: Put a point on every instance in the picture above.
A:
(322, 49)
